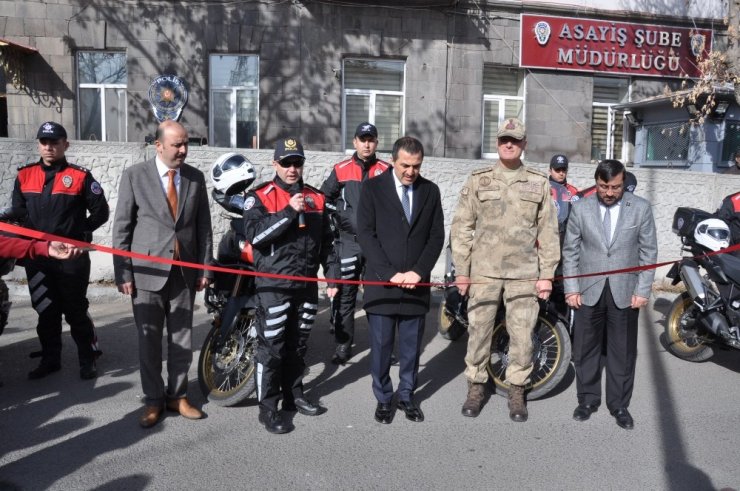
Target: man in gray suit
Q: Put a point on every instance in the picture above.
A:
(163, 211)
(607, 231)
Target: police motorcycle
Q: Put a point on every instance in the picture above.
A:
(15, 216)
(551, 338)
(707, 314)
(226, 366)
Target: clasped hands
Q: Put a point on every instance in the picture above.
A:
(407, 280)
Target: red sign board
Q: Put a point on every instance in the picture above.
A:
(589, 45)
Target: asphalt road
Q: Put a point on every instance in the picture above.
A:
(65, 433)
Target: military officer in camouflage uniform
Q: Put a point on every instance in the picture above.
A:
(504, 246)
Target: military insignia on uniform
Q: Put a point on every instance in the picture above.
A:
(310, 202)
(249, 203)
(485, 181)
(464, 191)
(290, 144)
(95, 188)
(67, 181)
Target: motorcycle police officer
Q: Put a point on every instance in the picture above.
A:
(287, 227)
(58, 196)
(342, 190)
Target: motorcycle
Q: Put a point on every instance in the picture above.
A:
(551, 339)
(15, 216)
(707, 315)
(226, 365)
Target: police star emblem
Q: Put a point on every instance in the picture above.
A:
(290, 144)
(48, 127)
(542, 32)
(67, 181)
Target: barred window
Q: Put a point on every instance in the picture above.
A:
(607, 123)
(667, 144)
(503, 98)
(731, 142)
(101, 95)
(373, 91)
(234, 101)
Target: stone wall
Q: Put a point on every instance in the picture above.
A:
(666, 189)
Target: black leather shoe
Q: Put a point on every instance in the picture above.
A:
(273, 422)
(584, 411)
(342, 354)
(384, 413)
(624, 418)
(88, 371)
(45, 368)
(413, 412)
(304, 406)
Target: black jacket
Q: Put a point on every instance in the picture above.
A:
(391, 245)
(279, 246)
(58, 198)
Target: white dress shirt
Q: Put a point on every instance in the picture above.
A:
(399, 191)
(164, 177)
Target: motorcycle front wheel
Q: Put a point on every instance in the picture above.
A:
(226, 370)
(550, 356)
(682, 335)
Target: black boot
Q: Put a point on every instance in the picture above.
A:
(273, 422)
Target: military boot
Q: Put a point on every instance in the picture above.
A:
(517, 406)
(472, 405)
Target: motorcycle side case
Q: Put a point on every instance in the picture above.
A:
(685, 220)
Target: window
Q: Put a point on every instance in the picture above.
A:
(373, 91)
(607, 123)
(503, 98)
(731, 142)
(667, 144)
(234, 101)
(102, 95)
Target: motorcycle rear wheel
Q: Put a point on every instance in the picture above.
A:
(449, 327)
(551, 357)
(227, 374)
(681, 331)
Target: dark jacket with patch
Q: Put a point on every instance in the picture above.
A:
(279, 245)
(58, 198)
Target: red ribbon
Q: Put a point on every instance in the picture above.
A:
(35, 234)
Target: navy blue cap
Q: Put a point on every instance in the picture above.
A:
(288, 147)
(366, 129)
(52, 131)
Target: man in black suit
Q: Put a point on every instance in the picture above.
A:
(400, 228)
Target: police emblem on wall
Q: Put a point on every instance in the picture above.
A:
(168, 96)
(697, 44)
(542, 32)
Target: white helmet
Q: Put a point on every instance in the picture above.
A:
(232, 173)
(712, 233)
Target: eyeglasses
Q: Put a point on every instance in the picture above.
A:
(288, 163)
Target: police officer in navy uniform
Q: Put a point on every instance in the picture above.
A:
(286, 224)
(62, 199)
(342, 190)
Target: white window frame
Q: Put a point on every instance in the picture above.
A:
(371, 103)
(501, 112)
(102, 88)
(232, 89)
(610, 125)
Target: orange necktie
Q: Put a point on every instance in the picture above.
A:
(172, 202)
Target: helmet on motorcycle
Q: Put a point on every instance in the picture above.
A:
(232, 173)
(712, 233)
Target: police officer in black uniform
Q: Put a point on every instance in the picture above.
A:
(342, 190)
(58, 196)
(286, 224)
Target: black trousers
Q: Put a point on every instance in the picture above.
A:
(286, 317)
(59, 288)
(619, 326)
(351, 265)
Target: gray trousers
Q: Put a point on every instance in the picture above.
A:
(173, 304)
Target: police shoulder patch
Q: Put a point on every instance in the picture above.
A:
(95, 188)
(249, 202)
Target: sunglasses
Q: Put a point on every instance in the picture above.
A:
(288, 163)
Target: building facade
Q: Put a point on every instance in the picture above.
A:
(445, 71)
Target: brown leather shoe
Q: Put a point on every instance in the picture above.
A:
(183, 407)
(517, 404)
(150, 416)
